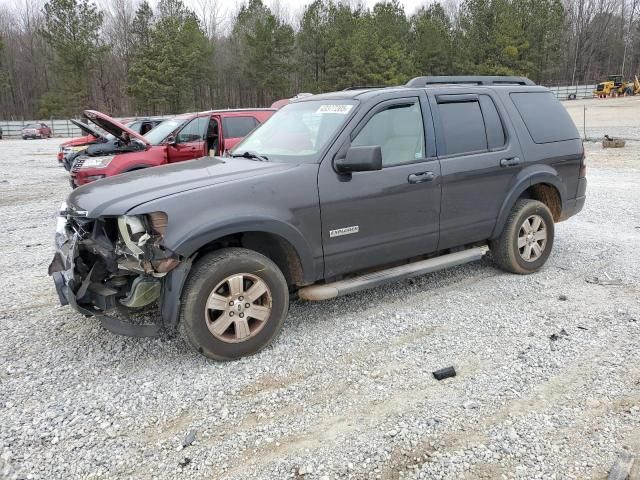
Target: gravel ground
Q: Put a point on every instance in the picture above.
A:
(548, 382)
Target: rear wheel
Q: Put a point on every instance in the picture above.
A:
(233, 304)
(527, 238)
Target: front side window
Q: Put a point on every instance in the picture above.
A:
(237, 127)
(399, 132)
(194, 131)
(298, 132)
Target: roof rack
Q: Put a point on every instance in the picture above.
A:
(468, 80)
(362, 87)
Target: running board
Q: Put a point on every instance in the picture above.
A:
(328, 291)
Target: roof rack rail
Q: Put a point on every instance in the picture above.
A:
(362, 87)
(468, 80)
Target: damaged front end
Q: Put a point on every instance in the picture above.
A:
(111, 265)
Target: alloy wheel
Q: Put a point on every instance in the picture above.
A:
(238, 308)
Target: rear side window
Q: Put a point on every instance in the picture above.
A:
(545, 117)
(463, 127)
(492, 122)
(235, 127)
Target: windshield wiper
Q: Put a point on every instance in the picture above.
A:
(251, 155)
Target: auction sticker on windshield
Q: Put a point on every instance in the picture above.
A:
(343, 109)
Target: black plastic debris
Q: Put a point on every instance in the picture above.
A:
(444, 373)
(185, 462)
(557, 336)
(562, 298)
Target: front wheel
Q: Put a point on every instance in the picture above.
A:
(526, 240)
(233, 304)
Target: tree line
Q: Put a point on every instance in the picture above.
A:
(58, 57)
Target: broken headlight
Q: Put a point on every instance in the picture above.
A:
(142, 238)
(97, 162)
(137, 230)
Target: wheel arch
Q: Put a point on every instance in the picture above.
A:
(274, 240)
(543, 185)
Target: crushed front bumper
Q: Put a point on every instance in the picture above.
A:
(84, 295)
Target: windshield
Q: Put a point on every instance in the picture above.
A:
(298, 132)
(156, 135)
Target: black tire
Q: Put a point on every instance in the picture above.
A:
(210, 271)
(504, 249)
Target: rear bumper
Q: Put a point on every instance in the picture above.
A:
(575, 205)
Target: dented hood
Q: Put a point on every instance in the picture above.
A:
(118, 194)
(86, 129)
(112, 126)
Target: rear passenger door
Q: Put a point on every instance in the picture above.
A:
(480, 159)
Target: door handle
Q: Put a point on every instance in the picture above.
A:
(421, 177)
(509, 162)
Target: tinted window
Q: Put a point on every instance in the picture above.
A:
(193, 131)
(235, 127)
(463, 127)
(545, 117)
(492, 122)
(398, 131)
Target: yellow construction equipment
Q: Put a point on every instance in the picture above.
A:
(615, 86)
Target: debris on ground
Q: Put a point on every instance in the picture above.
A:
(604, 281)
(185, 462)
(562, 298)
(557, 336)
(444, 373)
(621, 469)
(610, 142)
(189, 438)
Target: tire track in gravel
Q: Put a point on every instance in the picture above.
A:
(325, 433)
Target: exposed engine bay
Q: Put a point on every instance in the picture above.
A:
(108, 148)
(110, 263)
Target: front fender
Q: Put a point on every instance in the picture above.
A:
(190, 242)
(527, 177)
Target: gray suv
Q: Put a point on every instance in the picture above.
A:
(334, 194)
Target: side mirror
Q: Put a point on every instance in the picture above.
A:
(360, 159)
(171, 140)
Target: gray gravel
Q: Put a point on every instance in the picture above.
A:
(346, 391)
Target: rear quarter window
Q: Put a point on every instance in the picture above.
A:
(544, 116)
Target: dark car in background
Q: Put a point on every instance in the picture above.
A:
(36, 130)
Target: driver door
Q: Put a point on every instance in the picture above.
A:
(190, 141)
(375, 218)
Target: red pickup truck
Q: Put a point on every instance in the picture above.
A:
(177, 139)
